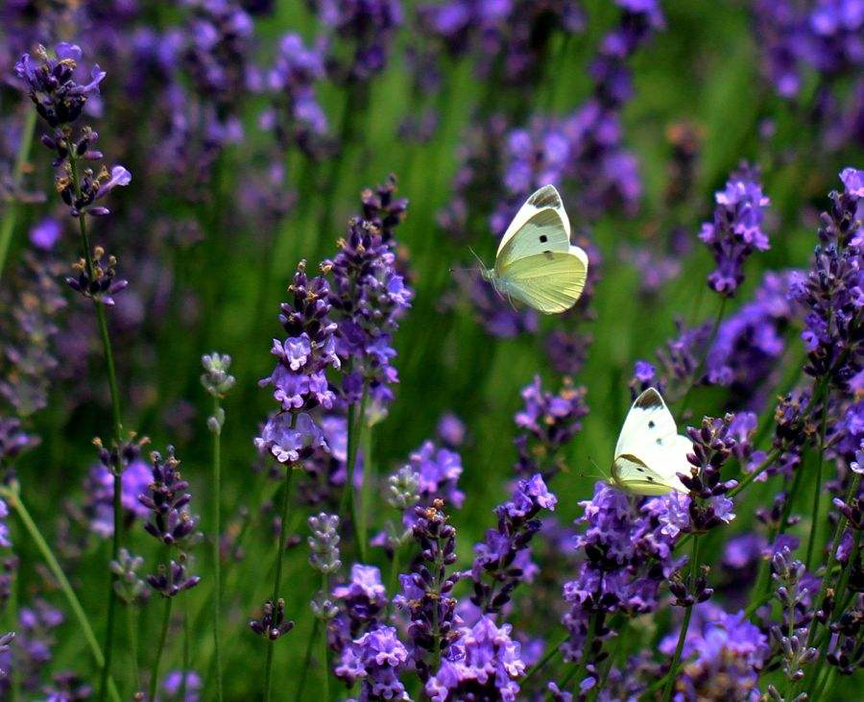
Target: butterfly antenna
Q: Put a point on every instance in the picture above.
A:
(598, 475)
(479, 260)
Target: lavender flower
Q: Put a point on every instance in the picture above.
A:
(426, 590)
(299, 381)
(168, 502)
(362, 600)
(830, 291)
(484, 664)
(365, 31)
(736, 230)
(176, 681)
(725, 654)
(369, 296)
(324, 543)
(129, 587)
(437, 470)
(376, 658)
(135, 481)
(13, 440)
(500, 564)
(171, 579)
(549, 421)
(272, 624)
(403, 489)
(791, 591)
(451, 430)
(97, 280)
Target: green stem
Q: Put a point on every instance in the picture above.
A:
(307, 660)
(817, 493)
(348, 500)
(394, 574)
(325, 652)
(163, 637)
(550, 655)
(7, 224)
(117, 425)
(132, 632)
(366, 487)
(13, 499)
(187, 655)
(682, 636)
(217, 556)
(277, 583)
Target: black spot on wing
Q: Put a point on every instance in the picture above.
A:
(659, 442)
(543, 238)
(651, 424)
(650, 479)
(650, 399)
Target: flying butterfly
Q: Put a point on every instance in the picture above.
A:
(650, 452)
(536, 263)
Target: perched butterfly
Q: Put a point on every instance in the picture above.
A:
(650, 452)
(535, 262)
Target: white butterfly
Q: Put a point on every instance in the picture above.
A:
(650, 452)
(535, 262)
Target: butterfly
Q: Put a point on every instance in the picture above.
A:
(536, 263)
(650, 451)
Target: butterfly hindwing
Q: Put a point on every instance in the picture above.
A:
(550, 282)
(650, 446)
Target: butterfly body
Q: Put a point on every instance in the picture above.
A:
(535, 263)
(650, 453)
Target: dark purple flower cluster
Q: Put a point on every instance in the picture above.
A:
(548, 421)
(508, 39)
(296, 115)
(503, 560)
(725, 654)
(272, 623)
(171, 579)
(830, 292)
(736, 230)
(60, 100)
(14, 440)
(364, 31)
(427, 590)
(168, 502)
(361, 602)
(484, 664)
(299, 380)
(98, 280)
(369, 296)
(627, 557)
(713, 445)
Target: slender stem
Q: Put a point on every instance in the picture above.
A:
(817, 493)
(283, 533)
(365, 432)
(7, 224)
(394, 574)
(587, 645)
(325, 652)
(132, 632)
(549, 656)
(163, 637)
(187, 654)
(117, 425)
(348, 500)
(682, 636)
(217, 556)
(307, 660)
(13, 499)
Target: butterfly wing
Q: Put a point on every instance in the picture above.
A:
(550, 282)
(650, 451)
(540, 225)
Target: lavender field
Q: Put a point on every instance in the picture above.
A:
(268, 431)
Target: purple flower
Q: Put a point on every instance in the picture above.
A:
(549, 421)
(54, 89)
(167, 501)
(438, 471)
(503, 559)
(366, 27)
(287, 443)
(361, 603)
(369, 296)
(46, 233)
(377, 658)
(725, 655)
(14, 440)
(451, 430)
(484, 664)
(135, 481)
(736, 230)
(426, 594)
(176, 681)
(832, 320)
